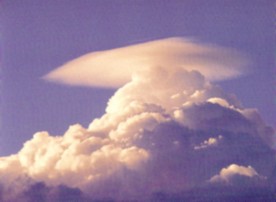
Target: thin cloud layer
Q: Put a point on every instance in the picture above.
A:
(168, 133)
(114, 68)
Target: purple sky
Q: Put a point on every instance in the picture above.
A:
(38, 36)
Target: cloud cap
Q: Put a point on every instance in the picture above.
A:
(113, 68)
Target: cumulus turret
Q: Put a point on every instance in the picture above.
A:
(168, 130)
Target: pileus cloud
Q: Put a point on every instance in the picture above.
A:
(114, 68)
(168, 130)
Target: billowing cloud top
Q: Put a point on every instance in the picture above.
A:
(167, 135)
(113, 68)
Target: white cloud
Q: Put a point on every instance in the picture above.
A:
(219, 101)
(145, 142)
(228, 174)
(211, 142)
(113, 68)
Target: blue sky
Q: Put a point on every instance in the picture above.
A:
(38, 36)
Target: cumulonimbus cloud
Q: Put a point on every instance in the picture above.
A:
(168, 130)
(113, 68)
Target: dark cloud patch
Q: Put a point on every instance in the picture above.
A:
(219, 194)
(40, 192)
